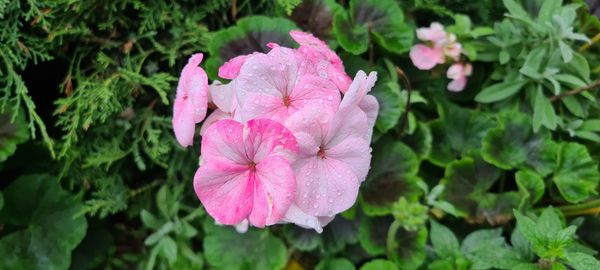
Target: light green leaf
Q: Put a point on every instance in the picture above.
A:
(531, 187)
(480, 240)
(149, 220)
(335, 263)
(582, 261)
(577, 173)
(168, 249)
(47, 229)
(443, 240)
(499, 91)
(224, 248)
(548, 9)
(543, 112)
(565, 51)
(379, 264)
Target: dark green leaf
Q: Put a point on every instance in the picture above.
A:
(353, 38)
(577, 173)
(373, 232)
(393, 175)
(408, 248)
(513, 144)
(420, 141)
(391, 104)
(339, 233)
(316, 16)
(302, 239)
(250, 34)
(47, 227)
(11, 134)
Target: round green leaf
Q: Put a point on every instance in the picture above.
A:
(391, 104)
(379, 264)
(513, 144)
(335, 263)
(250, 34)
(393, 175)
(11, 134)
(316, 16)
(224, 248)
(420, 141)
(373, 234)
(301, 238)
(577, 173)
(466, 182)
(531, 188)
(339, 233)
(408, 248)
(382, 19)
(47, 228)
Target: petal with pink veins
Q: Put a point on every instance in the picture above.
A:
(231, 69)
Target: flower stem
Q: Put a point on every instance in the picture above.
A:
(390, 238)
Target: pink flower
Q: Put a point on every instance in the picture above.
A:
(333, 158)
(277, 84)
(357, 96)
(327, 62)
(191, 100)
(425, 58)
(458, 72)
(434, 33)
(297, 216)
(246, 172)
(453, 50)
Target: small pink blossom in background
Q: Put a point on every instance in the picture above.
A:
(458, 73)
(191, 101)
(441, 46)
(283, 146)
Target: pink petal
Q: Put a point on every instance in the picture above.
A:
(370, 106)
(453, 50)
(347, 122)
(325, 187)
(355, 152)
(425, 58)
(315, 91)
(361, 85)
(433, 33)
(231, 69)
(224, 191)
(297, 216)
(183, 123)
(223, 141)
(191, 98)
(223, 95)
(274, 191)
(266, 137)
(458, 84)
(215, 116)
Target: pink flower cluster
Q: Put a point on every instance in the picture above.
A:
(440, 47)
(282, 145)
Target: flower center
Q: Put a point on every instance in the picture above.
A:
(321, 152)
(252, 166)
(286, 101)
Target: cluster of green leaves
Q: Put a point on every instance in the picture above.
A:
(115, 191)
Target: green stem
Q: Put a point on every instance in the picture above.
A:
(390, 238)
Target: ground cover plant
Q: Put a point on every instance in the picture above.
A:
(289, 134)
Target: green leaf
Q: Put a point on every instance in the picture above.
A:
(383, 20)
(458, 132)
(301, 238)
(582, 261)
(335, 263)
(379, 264)
(391, 104)
(499, 91)
(531, 187)
(159, 234)
(467, 180)
(338, 234)
(250, 34)
(443, 240)
(513, 144)
(481, 240)
(548, 9)
(407, 249)
(224, 248)
(533, 63)
(168, 249)
(149, 220)
(543, 112)
(1, 201)
(372, 234)
(12, 133)
(577, 173)
(392, 176)
(47, 227)
(316, 17)
(566, 51)
(515, 9)
(420, 141)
